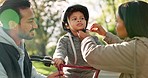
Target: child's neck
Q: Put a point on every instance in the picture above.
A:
(74, 33)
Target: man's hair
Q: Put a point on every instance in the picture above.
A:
(10, 11)
(135, 17)
(14, 4)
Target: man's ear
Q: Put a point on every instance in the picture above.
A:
(12, 24)
(8, 16)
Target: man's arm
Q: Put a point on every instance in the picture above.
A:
(2, 72)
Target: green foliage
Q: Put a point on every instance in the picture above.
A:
(109, 9)
(44, 69)
(48, 20)
(51, 50)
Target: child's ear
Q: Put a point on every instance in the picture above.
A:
(67, 26)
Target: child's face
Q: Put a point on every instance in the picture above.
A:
(76, 22)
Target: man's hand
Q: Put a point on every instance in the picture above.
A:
(56, 75)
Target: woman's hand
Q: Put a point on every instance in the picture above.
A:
(98, 29)
(82, 34)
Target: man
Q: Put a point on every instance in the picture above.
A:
(18, 24)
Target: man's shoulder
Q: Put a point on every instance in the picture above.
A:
(5, 46)
(2, 45)
(6, 49)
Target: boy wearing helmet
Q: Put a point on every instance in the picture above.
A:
(68, 49)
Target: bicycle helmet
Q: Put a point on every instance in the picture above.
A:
(70, 10)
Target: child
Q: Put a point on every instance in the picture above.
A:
(68, 49)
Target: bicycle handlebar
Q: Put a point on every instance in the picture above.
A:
(47, 60)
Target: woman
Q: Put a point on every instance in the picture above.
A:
(128, 57)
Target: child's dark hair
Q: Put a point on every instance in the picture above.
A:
(70, 10)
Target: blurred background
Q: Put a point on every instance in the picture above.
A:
(48, 16)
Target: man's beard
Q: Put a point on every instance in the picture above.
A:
(25, 36)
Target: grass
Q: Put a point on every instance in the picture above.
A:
(41, 68)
